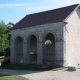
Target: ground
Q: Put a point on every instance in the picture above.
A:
(45, 75)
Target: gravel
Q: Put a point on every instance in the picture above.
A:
(45, 75)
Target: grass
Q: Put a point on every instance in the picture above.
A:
(30, 67)
(1, 57)
(11, 77)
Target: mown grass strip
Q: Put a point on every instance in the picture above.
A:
(11, 77)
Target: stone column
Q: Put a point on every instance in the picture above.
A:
(12, 54)
(40, 53)
(26, 56)
(59, 53)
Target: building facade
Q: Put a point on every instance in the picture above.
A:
(28, 43)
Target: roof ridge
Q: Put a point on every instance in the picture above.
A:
(51, 10)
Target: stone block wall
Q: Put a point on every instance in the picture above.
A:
(40, 31)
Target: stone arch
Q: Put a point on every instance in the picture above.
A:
(46, 32)
(29, 35)
(32, 42)
(19, 49)
(19, 35)
(49, 50)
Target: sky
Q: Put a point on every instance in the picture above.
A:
(14, 10)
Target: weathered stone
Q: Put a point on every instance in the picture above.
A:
(39, 32)
(26, 56)
(71, 68)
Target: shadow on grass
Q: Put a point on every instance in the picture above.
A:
(19, 69)
(31, 67)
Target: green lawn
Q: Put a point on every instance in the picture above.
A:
(29, 67)
(1, 57)
(11, 77)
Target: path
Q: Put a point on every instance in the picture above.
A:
(45, 75)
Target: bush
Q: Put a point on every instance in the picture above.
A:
(5, 61)
(1, 54)
(7, 52)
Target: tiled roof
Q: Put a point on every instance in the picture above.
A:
(51, 16)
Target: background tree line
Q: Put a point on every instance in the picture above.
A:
(5, 38)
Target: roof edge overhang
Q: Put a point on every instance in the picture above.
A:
(39, 25)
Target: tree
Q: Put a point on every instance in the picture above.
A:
(4, 37)
(3, 27)
(10, 24)
(4, 42)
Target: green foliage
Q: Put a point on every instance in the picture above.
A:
(4, 42)
(2, 27)
(10, 24)
(5, 36)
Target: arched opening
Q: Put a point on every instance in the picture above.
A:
(33, 49)
(19, 49)
(49, 48)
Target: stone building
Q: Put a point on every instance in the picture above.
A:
(59, 26)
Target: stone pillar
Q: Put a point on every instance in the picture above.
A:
(64, 54)
(26, 56)
(13, 57)
(59, 53)
(40, 53)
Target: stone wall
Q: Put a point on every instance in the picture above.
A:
(57, 29)
(72, 30)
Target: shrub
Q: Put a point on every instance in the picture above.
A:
(7, 52)
(5, 61)
(1, 54)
